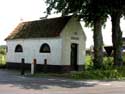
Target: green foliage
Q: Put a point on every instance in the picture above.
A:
(2, 55)
(97, 74)
(123, 56)
(121, 70)
(108, 71)
(2, 51)
(2, 60)
(107, 63)
(64, 6)
(89, 62)
(89, 10)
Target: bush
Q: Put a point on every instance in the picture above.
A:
(107, 71)
(88, 62)
(97, 74)
(107, 63)
(2, 50)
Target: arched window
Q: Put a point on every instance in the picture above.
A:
(18, 48)
(45, 48)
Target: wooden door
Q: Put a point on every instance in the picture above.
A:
(74, 48)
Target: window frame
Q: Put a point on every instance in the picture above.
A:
(42, 48)
(18, 48)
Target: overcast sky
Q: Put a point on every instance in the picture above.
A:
(13, 12)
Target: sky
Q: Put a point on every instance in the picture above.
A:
(12, 12)
(107, 35)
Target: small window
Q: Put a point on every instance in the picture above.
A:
(18, 48)
(45, 48)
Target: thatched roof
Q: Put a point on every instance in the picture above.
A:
(40, 28)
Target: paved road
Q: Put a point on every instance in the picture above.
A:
(12, 83)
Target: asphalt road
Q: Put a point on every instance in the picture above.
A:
(12, 83)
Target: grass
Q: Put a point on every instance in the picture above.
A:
(108, 73)
(87, 75)
(59, 75)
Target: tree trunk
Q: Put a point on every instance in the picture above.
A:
(117, 38)
(98, 44)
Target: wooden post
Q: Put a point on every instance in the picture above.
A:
(45, 65)
(22, 66)
(45, 61)
(33, 67)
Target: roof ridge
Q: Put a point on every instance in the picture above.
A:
(53, 18)
(39, 28)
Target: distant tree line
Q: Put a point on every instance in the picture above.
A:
(3, 50)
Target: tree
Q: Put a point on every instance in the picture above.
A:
(2, 52)
(91, 12)
(117, 37)
(116, 11)
(95, 15)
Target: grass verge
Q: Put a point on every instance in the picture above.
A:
(113, 74)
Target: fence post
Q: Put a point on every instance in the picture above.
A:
(33, 66)
(45, 65)
(22, 66)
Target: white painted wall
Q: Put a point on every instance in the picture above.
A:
(31, 49)
(60, 47)
(73, 33)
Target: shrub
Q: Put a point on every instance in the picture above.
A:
(107, 71)
(88, 62)
(97, 74)
(107, 63)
